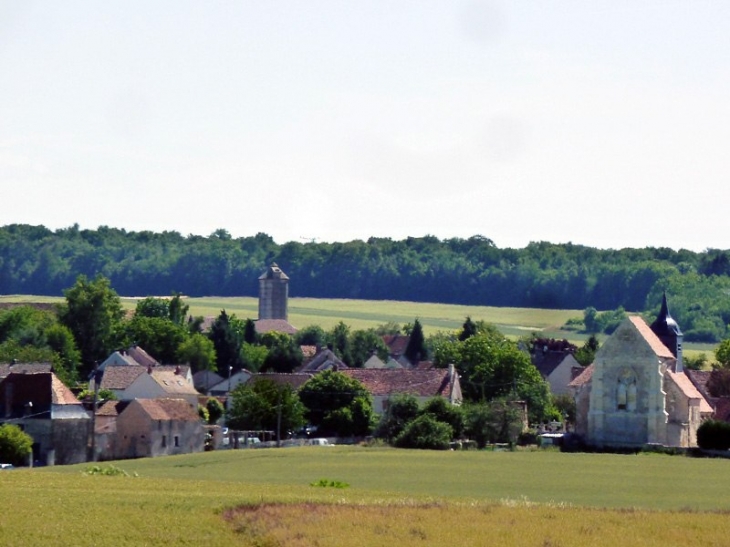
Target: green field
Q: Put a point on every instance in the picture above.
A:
(362, 314)
(263, 497)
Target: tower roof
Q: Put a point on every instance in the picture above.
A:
(665, 325)
(274, 272)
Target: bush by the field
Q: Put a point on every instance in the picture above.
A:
(714, 435)
(425, 432)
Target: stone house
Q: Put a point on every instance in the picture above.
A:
(384, 384)
(47, 411)
(636, 392)
(158, 427)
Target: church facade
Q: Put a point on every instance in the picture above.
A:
(636, 391)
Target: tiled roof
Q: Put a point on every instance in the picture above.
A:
(421, 383)
(373, 362)
(397, 343)
(685, 384)
(112, 408)
(172, 383)
(424, 365)
(140, 356)
(277, 325)
(120, 377)
(652, 339)
(205, 379)
(61, 394)
(700, 378)
(583, 378)
(169, 409)
(548, 361)
(324, 360)
(24, 368)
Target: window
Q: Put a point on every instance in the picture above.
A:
(626, 391)
(164, 441)
(177, 440)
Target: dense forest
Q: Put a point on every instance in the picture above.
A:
(37, 260)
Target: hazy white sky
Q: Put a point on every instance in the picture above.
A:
(601, 123)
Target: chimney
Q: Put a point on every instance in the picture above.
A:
(149, 369)
(177, 370)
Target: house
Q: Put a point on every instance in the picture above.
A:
(24, 368)
(157, 427)
(203, 380)
(227, 385)
(384, 384)
(636, 392)
(397, 345)
(132, 356)
(160, 382)
(555, 361)
(373, 362)
(325, 359)
(46, 410)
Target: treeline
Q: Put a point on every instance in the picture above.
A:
(36, 260)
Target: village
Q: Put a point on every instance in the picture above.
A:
(635, 393)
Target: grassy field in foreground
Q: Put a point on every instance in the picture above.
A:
(263, 497)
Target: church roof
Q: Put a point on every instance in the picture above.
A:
(651, 338)
(664, 324)
(685, 384)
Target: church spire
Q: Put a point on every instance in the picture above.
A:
(667, 330)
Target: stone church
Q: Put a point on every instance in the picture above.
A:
(636, 391)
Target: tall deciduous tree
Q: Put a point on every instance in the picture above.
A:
(93, 312)
(337, 404)
(197, 351)
(258, 405)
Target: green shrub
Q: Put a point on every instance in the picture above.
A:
(15, 445)
(425, 432)
(327, 483)
(108, 471)
(714, 435)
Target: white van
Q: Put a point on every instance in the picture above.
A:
(318, 442)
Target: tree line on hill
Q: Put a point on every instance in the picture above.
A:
(474, 271)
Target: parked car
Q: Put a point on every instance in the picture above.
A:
(6, 466)
(318, 442)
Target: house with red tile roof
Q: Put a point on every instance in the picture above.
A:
(384, 384)
(637, 392)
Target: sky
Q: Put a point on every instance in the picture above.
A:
(599, 123)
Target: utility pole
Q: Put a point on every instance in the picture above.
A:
(97, 379)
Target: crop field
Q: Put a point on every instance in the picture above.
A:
(362, 314)
(383, 496)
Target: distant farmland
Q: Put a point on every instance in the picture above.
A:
(362, 314)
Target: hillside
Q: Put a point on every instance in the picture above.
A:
(473, 271)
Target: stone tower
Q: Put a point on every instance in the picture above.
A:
(667, 330)
(273, 294)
